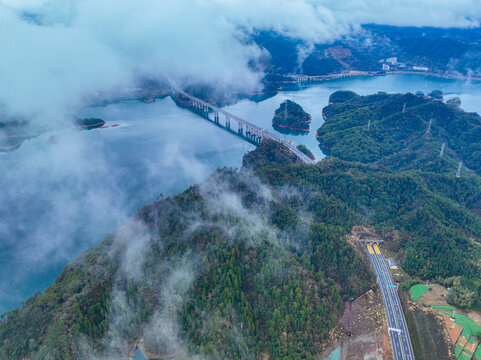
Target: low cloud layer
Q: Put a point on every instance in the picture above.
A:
(57, 52)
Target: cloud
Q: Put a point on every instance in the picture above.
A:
(57, 52)
(442, 13)
(56, 55)
(60, 199)
(163, 333)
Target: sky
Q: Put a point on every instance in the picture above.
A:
(57, 53)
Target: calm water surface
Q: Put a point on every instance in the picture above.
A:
(138, 355)
(314, 98)
(335, 355)
(57, 200)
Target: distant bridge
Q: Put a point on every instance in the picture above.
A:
(248, 131)
(300, 78)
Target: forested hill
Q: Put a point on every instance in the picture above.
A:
(230, 269)
(401, 136)
(251, 264)
(401, 131)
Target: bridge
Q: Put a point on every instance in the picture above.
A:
(245, 129)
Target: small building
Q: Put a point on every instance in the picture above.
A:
(385, 67)
(420, 68)
(392, 60)
(392, 264)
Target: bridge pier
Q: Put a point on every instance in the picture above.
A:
(248, 132)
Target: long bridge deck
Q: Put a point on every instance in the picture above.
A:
(250, 132)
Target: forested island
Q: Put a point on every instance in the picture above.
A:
(89, 123)
(258, 262)
(291, 118)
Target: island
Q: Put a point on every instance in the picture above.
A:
(89, 123)
(290, 118)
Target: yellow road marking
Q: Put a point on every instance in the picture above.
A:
(377, 249)
(369, 248)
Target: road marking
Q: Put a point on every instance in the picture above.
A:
(369, 248)
(393, 329)
(377, 249)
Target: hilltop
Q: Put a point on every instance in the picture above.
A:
(290, 117)
(401, 132)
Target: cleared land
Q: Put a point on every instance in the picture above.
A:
(454, 329)
(436, 296)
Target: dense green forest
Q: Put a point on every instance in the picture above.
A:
(401, 131)
(452, 51)
(236, 268)
(291, 116)
(422, 140)
(254, 263)
(306, 151)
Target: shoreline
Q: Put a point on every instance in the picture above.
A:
(317, 79)
(437, 75)
(361, 73)
(291, 128)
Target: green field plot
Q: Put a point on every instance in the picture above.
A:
(438, 307)
(477, 353)
(463, 356)
(417, 291)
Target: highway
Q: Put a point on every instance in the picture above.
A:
(397, 327)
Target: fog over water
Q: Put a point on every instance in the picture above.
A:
(59, 199)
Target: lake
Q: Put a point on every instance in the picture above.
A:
(58, 199)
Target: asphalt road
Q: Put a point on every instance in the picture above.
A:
(398, 330)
